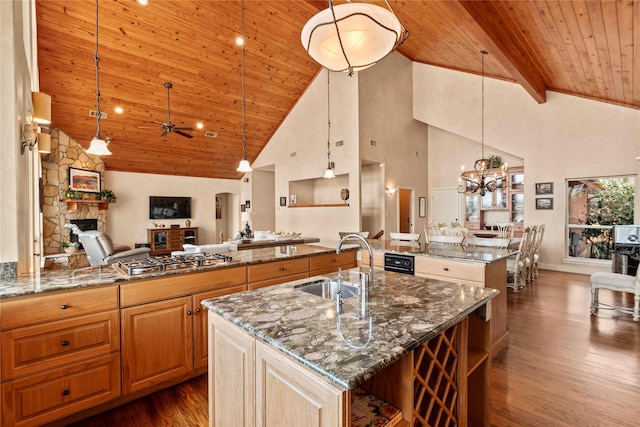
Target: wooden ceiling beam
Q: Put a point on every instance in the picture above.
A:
(492, 29)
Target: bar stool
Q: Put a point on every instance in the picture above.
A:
(616, 282)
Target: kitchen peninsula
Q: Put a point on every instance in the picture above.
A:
(473, 265)
(281, 356)
(77, 342)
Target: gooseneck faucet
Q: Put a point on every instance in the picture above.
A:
(369, 280)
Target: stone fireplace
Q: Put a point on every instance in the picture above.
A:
(66, 153)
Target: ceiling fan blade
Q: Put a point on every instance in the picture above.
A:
(164, 132)
(147, 127)
(188, 128)
(179, 132)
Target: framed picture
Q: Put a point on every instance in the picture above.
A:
(544, 188)
(247, 204)
(242, 208)
(83, 180)
(283, 201)
(422, 207)
(544, 203)
(218, 208)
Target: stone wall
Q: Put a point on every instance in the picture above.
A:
(65, 153)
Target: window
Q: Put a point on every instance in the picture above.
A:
(594, 206)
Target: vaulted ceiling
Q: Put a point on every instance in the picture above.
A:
(587, 48)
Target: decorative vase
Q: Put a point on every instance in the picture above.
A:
(187, 223)
(70, 249)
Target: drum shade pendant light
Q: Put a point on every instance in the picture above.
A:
(352, 36)
(244, 165)
(98, 145)
(329, 172)
(482, 181)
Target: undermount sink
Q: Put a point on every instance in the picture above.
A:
(327, 288)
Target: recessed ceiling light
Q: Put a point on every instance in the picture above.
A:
(199, 125)
(239, 41)
(143, 2)
(118, 110)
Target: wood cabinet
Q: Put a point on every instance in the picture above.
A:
(329, 263)
(253, 385)
(163, 326)
(270, 273)
(516, 202)
(166, 240)
(60, 354)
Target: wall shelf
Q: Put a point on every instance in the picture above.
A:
(72, 204)
(335, 205)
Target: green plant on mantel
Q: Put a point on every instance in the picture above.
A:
(496, 161)
(108, 196)
(65, 245)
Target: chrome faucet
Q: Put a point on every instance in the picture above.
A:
(366, 286)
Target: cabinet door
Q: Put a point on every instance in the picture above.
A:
(232, 375)
(287, 391)
(517, 207)
(157, 343)
(200, 322)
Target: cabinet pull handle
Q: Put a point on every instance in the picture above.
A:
(189, 313)
(281, 268)
(198, 310)
(65, 343)
(64, 307)
(334, 260)
(446, 268)
(66, 392)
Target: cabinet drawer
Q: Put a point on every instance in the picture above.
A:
(40, 308)
(333, 260)
(36, 348)
(41, 398)
(273, 270)
(277, 281)
(143, 291)
(450, 269)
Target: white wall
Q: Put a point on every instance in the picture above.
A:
(128, 219)
(263, 212)
(566, 137)
(304, 132)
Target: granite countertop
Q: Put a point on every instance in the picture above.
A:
(53, 280)
(403, 312)
(482, 254)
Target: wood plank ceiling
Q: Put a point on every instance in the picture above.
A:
(587, 48)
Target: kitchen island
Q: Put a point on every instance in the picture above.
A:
(281, 356)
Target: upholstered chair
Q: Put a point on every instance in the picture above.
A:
(100, 249)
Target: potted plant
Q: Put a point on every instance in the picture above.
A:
(496, 161)
(108, 196)
(70, 247)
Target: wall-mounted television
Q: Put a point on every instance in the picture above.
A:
(163, 207)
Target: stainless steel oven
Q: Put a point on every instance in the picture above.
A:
(399, 263)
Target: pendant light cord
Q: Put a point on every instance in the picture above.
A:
(484, 52)
(328, 121)
(244, 125)
(97, 61)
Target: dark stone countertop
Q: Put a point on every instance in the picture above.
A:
(403, 312)
(53, 280)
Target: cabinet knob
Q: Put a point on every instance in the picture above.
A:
(446, 268)
(334, 260)
(66, 392)
(65, 343)
(281, 268)
(64, 307)
(189, 313)
(198, 310)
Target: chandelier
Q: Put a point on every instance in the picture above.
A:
(483, 179)
(351, 37)
(98, 145)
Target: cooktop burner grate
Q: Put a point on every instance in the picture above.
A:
(171, 263)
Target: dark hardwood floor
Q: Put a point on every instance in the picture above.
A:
(562, 367)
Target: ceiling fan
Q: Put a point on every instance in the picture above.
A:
(167, 126)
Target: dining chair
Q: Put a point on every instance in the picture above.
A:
(615, 282)
(505, 229)
(516, 265)
(407, 237)
(496, 242)
(536, 251)
(529, 251)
